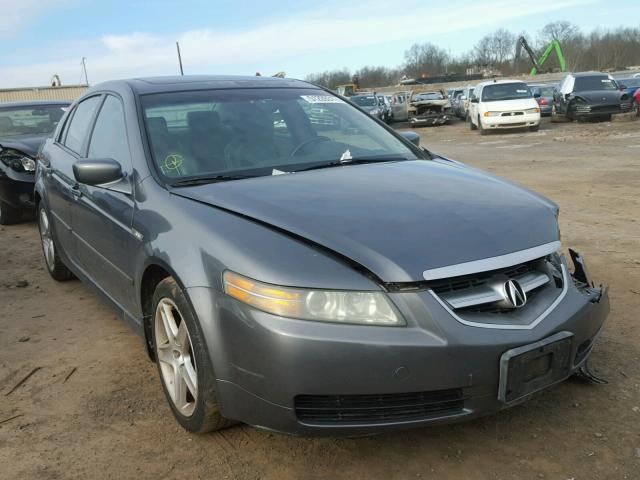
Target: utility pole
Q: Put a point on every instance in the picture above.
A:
(179, 58)
(84, 69)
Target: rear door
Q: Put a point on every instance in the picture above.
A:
(103, 214)
(59, 179)
(399, 106)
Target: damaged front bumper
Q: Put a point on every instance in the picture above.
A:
(327, 379)
(430, 119)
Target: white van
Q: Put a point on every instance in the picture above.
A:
(500, 104)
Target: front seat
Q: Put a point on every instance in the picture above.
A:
(206, 140)
(252, 145)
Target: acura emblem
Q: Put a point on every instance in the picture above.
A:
(514, 294)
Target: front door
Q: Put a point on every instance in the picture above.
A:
(102, 215)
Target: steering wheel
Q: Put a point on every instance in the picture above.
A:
(310, 141)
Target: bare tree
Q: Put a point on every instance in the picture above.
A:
(425, 59)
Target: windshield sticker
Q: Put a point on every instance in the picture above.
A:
(173, 161)
(321, 99)
(278, 172)
(521, 91)
(346, 155)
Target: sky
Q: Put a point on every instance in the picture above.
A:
(134, 38)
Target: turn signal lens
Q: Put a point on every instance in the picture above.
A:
(338, 306)
(532, 110)
(491, 114)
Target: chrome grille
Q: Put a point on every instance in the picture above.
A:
(484, 293)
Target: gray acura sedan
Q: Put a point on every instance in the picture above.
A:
(303, 274)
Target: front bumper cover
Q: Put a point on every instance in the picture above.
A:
(262, 362)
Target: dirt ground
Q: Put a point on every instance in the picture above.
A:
(95, 408)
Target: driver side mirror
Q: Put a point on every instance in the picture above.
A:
(97, 171)
(413, 137)
(463, 97)
(537, 95)
(474, 100)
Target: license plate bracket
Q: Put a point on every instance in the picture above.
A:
(530, 368)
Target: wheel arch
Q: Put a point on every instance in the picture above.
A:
(154, 272)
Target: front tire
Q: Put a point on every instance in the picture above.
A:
(8, 214)
(483, 131)
(471, 124)
(557, 117)
(183, 361)
(55, 266)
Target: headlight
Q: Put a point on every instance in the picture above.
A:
(532, 110)
(375, 111)
(29, 164)
(369, 308)
(491, 114)
(17, 160)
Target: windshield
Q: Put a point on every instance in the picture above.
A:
(369, 101)
(505, 91)
(259, 132)
(429, 96)
(29, 120)
(544, 91)
(630, 82)
(586, 84)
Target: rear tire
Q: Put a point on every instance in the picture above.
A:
(8, 214)
(55, 266)
(183, 361)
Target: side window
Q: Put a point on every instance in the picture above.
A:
(65, 127)
(109, 138)
(80, 123)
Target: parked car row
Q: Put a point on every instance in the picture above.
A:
(293, 264)
(500, 104)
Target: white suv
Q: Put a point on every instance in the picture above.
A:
(500, 104)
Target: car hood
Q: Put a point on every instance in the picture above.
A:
(596, 97)
(28, 144)
(509, 105)
(395, 219)
(369, 108)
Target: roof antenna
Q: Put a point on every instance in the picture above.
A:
(179, 58)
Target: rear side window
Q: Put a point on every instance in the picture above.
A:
(80, 123)
(109, 138)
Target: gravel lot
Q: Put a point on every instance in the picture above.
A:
(94, 407)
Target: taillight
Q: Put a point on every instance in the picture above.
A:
(541, 101)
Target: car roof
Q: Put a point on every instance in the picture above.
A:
(35, 103)
(142, 86)
(498, 82)
(589, 74)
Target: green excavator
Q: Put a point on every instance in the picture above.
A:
(537, 64)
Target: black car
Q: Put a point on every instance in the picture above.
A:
(588, 95)
(23, 128)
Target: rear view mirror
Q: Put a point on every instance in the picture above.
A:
(463, 97)
(623, 87)
(413, 137)
(97, 171)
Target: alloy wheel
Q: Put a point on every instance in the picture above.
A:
(175, 356)
(47, 240)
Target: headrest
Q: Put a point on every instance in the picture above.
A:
(203, 120)
(5, 122)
